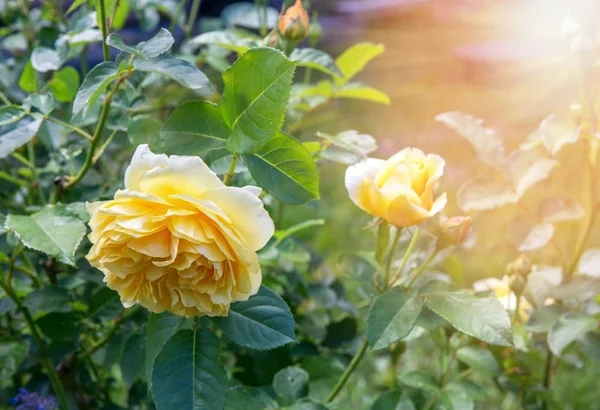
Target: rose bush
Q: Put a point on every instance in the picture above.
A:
(227, 265)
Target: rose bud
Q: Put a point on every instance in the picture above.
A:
(453, 231)
(294, 24)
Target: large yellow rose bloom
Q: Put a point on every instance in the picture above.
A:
(177, 239)
(400, 190)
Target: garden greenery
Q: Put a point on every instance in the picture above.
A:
(147, 261)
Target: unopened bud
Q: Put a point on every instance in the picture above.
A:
(517, 284)
(315, 31)
(453, 231)
(294, 24)
(520, 266)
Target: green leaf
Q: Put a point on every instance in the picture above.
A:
(64, 84)
(28, 80)
(176, 69)
(568, 328)
(159, 329)
(560, 209)
(393, 400)
(360, 91)
(577, 290)
(488, 147)
(249, 398)
(554, 133)
(285, 169)
(421, 380)
(392, 317)
(44, 59)
(225, 39)
(527, 168)
(194, 128)
(354, 59)
(13, 135)
(12, 355)
(105, 304)
(479, 358)
(355, 146)
(466, 388)
(160, 43)
(542, 319)
(94, 83)
(483, 318)
(47, 299)
(188, 373)
(257, 89)
(9, 115)
(262, 322)
(144, 129)
(54, 230)
(541, 284)
(317, 59)
(485, 193)
(589, 344)
(75, 4)
(290, 384)
(133, 359)
(248, 15)
(42, 102)
(589, 263)
(60, 327)
(528, 235)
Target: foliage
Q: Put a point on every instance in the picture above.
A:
(386, 326)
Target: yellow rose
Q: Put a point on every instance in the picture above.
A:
(399, 190)
(177, 239)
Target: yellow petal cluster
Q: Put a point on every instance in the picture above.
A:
(177, 239)
(400, 190)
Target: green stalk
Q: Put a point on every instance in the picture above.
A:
(409, 250)
(176, 15)
(105, 51)
(229, 174)
(89, 159)
(346, 375)
(421, 269)
(547, 376)
(71, 127)
(388, 266)
(34, 173)
(189, 27)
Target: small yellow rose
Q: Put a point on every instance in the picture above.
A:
(399, 190)
(177, 239)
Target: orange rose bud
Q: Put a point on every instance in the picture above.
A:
(294, 24)
(453, 231)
